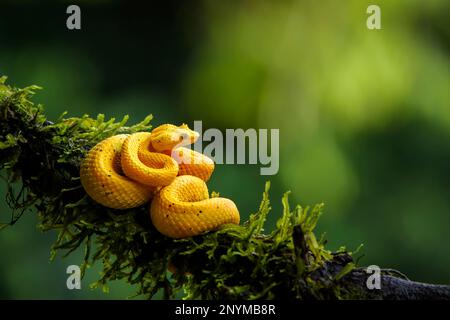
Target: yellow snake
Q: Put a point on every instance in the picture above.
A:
(127, 171)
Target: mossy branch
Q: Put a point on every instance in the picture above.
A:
(39, 161)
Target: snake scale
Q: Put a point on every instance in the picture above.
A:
(127, 171)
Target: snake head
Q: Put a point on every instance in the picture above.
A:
(168, 136)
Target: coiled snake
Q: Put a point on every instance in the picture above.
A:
(127, 171)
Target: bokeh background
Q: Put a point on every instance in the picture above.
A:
(364, 116)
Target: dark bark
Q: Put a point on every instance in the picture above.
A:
(395, 288)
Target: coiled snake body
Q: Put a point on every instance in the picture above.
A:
(127, 171)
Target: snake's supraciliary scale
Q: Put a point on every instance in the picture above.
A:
(127, 171)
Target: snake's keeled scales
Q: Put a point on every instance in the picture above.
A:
(127, 171)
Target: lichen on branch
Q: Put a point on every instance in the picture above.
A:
(40, 162)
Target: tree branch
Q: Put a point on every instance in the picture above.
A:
(40, 161)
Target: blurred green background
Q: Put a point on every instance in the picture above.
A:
(364, 116)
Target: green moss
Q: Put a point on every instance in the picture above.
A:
(40, 160)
